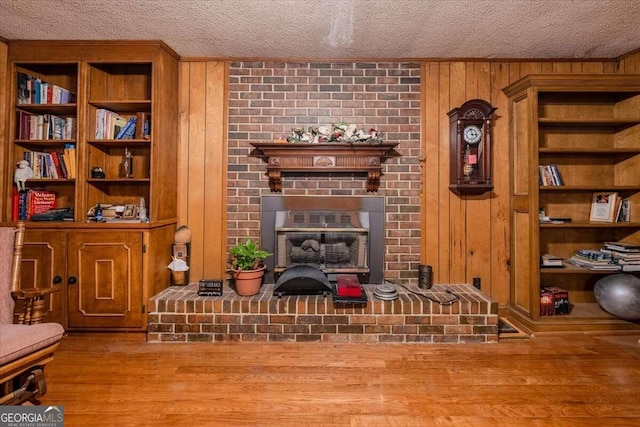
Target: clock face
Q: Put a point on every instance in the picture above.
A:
(472, 134)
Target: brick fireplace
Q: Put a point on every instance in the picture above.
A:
(268, 99)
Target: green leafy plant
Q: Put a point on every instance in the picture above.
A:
(247, 255)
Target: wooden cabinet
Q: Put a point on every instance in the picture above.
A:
(104, 277)
(58, 92)
(588, 126)
(44, 263)
(98, 273)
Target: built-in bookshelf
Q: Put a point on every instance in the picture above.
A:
(119, 101)
(58, 96)
(581, 133)
(45, 126)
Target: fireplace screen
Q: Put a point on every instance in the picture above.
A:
(332, 241)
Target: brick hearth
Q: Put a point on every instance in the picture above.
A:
(178, 314)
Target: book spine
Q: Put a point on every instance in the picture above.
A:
(56, 163)
(22, 212)
(15, 204)
(63, 165)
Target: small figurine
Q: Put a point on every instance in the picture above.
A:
(22, 174)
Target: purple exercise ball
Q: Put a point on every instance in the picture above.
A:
(619, 295)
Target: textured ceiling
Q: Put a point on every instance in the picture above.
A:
(327, 29)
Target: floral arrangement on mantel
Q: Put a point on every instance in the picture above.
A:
(342, 132)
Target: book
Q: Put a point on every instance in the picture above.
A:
(128, 131)
(548, 260)
(142, 125)
(23, 89)
(15, 204)
(63, 165)
(69, 156)
(23, 125)
(603, 207)
(39, 201)
(560, 299)
(549, 175)
(623, 214)
(623, 255)
(58, 166)
(546, 303)
(622, 246)
(119, 123)
(555, 174)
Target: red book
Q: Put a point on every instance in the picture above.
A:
(348, 285)
(15, 207)
(40, 201)
(56, 163)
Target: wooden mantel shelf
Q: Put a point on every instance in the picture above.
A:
(323, 157)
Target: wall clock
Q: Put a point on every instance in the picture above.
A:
(470, 148)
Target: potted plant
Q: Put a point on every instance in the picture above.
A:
(247, 267)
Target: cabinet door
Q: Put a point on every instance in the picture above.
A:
(107, 268)
(43, 265)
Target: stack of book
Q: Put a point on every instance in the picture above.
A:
(593, 260)
(624, 254)
(551, 261)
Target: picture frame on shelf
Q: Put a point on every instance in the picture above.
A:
(129, 212)
(604, 207)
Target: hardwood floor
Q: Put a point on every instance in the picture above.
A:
(551, 380)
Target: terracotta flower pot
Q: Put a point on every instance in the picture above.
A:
(248, 282)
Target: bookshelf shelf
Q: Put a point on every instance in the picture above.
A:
(59, 109)
(592, 225)
(98, 181)
(119, 142)
(587, 127)
(124, 106)
(572, 269)
(44, 142)
(37, 182)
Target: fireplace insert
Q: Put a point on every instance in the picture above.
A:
(336, 235)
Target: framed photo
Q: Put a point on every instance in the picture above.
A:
(604, 207)
(129, 212)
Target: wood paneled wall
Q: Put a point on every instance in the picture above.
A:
(462, 237)
(202, 173)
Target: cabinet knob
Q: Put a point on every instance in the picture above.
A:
(72, 280)
(57, 280)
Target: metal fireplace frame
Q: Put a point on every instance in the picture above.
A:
(374, 205)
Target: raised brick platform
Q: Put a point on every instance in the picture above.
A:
(178, 314)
